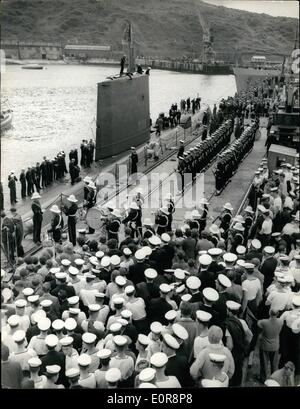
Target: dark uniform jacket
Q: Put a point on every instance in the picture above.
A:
(157, 310)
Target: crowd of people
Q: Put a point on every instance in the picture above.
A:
(163, 307)
(43, 174)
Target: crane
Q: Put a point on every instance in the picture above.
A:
(208, 54)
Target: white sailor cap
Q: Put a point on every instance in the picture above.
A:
(140, 254)
(164, 288)
(180, 331)
(118, 300)
(156, 327)
(296, 300)
(165, 237)
(54, 270)
(66, 341)
(104, 353)
(19, 336)
(217, 358)
(79, 262)
(70, 324)
(34, 362)
(256, 244)
(13, 320)
(224, 281)
(72, 372)
(89, 338)
(147, 385)
(214, 251)
(240, 262)
(210, 294)
(127, 251)
(37, 316)
(51, 340)
(179, 274)
(143, 339)
(99, 254)
(154, 240)
(94, 261)
(120, 340)
(94, 307)
(229, 257)
(127, 314)
(180, 289)
(210, 383)
(269, 250)
(21, 303)
(205, 260)
(115, 327)
(46, 303)
(84, 360)
(171, 341)
(186, 297)
(105, 261)
(159, 359)
(65, 262)
(203, 316)
(147, 375)
(147, 250)
(53, 369)
(249, 266)
(58, 325)
(73, 271)
(73, 300)
(232, 305)
(60, 276)
(170, 315)
(271, 382)
(27, 291)
(129, 289)
(115, 260)
(120, 280)
(113, 375)
(74, 311)
(241, 250)
(193, 283)
(44, 324)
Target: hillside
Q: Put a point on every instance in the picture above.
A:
(164, 28)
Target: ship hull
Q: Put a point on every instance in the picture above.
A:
(246, 77)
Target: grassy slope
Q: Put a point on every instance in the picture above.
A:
(161, 27)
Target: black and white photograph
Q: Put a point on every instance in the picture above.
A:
(149, 199)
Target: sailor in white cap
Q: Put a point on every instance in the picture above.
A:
(103, 308)
(113, 377)
(116, 288)
(226, 217)
(73, 375)
(146, 375)
(22, 354)
(37, 342)
(21, 305)
(155, 336)
(148, 289)
(8, 332)
(162, 220)
(86, 379)
(126, 259)
(56, 223)
(87, 294)
(71, 213)
(34, 365)
(201, 340)
(104, 356)
(71, 355)
(89, 347)
(76, 280)
(222, 284)
(217, 361)
(37, 217)
(118, 305)
(143, 357)
(133, 219)
(210, 296)
(53, 373)
(159, 361)
(203, 368)
(122, 360)
(58, 327)
(138, 308)
(177, 364)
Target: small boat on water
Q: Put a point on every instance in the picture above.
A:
(32, 67)
(6, 120)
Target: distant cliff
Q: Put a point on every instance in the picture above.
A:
(162, 28)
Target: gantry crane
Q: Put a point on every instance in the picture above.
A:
(208, 54)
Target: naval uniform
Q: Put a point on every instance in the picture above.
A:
(71, 212)
(56, 226)
(37, 220)
(162, 222)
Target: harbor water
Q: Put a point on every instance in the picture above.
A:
(55, 108)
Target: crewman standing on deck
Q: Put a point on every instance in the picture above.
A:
(71, 212)
(22, 179)
(12, 187)
(37, 217)
(133, 161)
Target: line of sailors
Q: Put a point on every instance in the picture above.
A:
(230, 159)
(197, 158)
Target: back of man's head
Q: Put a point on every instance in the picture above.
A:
(215, 334)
